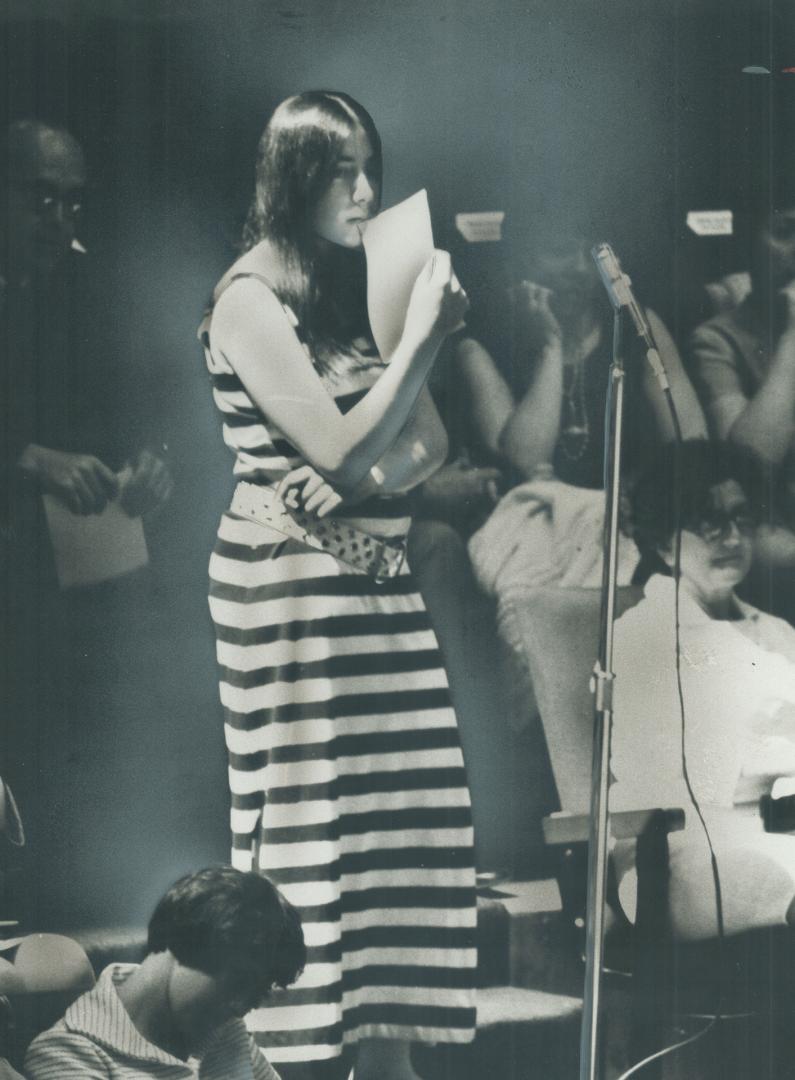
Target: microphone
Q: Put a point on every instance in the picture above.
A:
(619, 291)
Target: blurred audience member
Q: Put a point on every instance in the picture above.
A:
(548, 530)
(219, 941)
(564, 337)
(553, 341)
(743, 366)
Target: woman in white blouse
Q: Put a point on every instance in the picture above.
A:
(738, 689)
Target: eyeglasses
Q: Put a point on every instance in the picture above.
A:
(48, 202)
(718, 526)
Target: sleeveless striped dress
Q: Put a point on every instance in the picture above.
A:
(347, 779)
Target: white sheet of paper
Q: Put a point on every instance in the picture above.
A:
(397, 243)
(90, 548)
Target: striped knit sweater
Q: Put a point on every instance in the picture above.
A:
(96, 1039)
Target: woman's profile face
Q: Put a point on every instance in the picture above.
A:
(352, 195)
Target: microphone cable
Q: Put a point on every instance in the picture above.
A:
(677, 574)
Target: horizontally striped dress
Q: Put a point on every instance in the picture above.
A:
(344, 760)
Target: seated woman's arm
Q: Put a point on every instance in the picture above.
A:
(251, 329)
(489, 401)
(689, 411)
(767, 423)
(530, 434)
(764, 421)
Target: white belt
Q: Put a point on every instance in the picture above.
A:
(367, 554)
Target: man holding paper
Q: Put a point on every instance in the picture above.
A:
(74, 476)
(59, 430)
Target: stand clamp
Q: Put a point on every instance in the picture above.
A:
(601, 686)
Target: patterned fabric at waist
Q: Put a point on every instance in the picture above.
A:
(381, 515)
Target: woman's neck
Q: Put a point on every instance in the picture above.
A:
(718, 603)
(145, 997)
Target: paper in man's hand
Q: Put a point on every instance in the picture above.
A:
(90, 548)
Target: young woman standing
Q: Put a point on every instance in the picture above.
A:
(347, 778)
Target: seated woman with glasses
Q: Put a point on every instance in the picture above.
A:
(737, 669)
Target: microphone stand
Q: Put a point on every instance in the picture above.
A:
(602, 689)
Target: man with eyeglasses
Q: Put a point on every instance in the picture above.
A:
(68, 430)
(43, 181)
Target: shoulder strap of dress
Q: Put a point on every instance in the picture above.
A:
(243, 274)
(203, 332)
(204, 328)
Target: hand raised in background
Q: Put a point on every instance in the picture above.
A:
(533, 309)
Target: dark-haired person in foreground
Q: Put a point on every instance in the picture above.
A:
(219, 941)
(738, 686)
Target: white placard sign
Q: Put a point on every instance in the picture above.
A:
(710, 222)
(482, 227)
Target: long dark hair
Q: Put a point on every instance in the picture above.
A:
(297, 157)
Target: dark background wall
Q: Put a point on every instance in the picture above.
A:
(613, 117)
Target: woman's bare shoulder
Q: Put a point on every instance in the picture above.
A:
(262, 261)
(245, 302)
